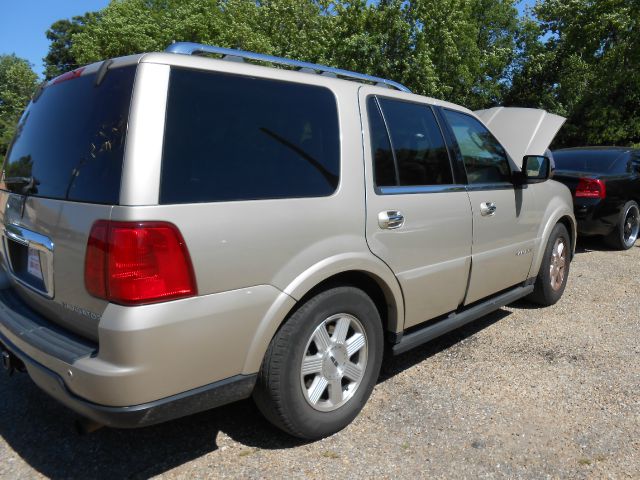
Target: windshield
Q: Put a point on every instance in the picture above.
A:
(592, 161)
(71, 139)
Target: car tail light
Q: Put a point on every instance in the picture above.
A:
(591, 188)
(134, 263)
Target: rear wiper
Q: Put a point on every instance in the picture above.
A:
(22, 185)
(331, 178)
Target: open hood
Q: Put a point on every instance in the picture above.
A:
(522, 131)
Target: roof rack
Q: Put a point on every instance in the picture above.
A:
(188, 48)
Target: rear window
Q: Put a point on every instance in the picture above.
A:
(231, 137)
(71, 140)
(592, 161)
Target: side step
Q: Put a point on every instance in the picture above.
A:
(457, 320)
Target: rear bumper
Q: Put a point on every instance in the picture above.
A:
(152, 363)
(595, 217)
(176, 406)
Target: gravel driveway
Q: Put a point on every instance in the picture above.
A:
(524, 392)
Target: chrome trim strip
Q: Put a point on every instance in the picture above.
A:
(473, 187)
(38, 242)
(189, 48)
(28, 238)
(408, 190)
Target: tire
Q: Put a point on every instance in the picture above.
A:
(554, 270)
(625, 234)
(338, 334)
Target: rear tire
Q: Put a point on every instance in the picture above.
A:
(554, 270)
(625, 234)
(322, 365)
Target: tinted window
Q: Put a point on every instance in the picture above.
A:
(484, 158)
(592, 161)
(384, 167)
(72, 138)
(418, 145)
(635, 161)
(231, 137)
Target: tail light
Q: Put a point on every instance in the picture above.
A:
(591, 188)
(134, 263)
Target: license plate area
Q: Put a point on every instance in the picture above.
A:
(30, 258)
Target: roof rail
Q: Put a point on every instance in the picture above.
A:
(188, 48)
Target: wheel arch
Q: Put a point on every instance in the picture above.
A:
(571, 226)
(564, 217)
(365, 272)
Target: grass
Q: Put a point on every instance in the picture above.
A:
(246, 453)
(330, 454)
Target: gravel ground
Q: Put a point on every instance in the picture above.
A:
(522, 393)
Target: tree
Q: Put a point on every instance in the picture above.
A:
(134, 26)
(17, 83)
(60, 59)
(459, 50)
(471, 44)
(585, 64)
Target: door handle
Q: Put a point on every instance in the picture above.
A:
(488, 209)
(390, 219)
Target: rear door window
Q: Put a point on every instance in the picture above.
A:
(384, 168)
(71, 139)
(232, 137)
(407, 144)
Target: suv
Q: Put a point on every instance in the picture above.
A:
(180, 232)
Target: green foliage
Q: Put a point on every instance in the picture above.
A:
(17, 84)
(459, 50)
(587, 67)
(59, 59)
(577, 58)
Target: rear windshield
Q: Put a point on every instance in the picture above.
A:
(592, 161)
(71, 139)
(231, 137)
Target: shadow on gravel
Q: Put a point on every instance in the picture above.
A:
(524, 304)
(592, 244)
(42, 431)
(395, 365)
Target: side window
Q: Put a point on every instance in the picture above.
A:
(232, 137)
(484, 158)
(384, 169)
(418, 146)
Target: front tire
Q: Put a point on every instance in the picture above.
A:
(554, 270)
(625, 234)
(322, 365)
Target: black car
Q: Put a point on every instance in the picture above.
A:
(605, 184)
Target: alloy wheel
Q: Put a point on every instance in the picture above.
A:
(334, 362)
(631, 226)
(558, 263)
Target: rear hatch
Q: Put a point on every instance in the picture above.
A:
(62, 173)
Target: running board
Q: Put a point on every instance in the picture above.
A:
(457, 320)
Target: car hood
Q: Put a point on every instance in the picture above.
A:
(522, 131)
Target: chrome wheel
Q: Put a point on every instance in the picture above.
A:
(558, 263)
(631, 225)
(334, 362)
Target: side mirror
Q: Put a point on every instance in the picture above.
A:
(535, 169)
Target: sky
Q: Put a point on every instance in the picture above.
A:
(24, 23)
